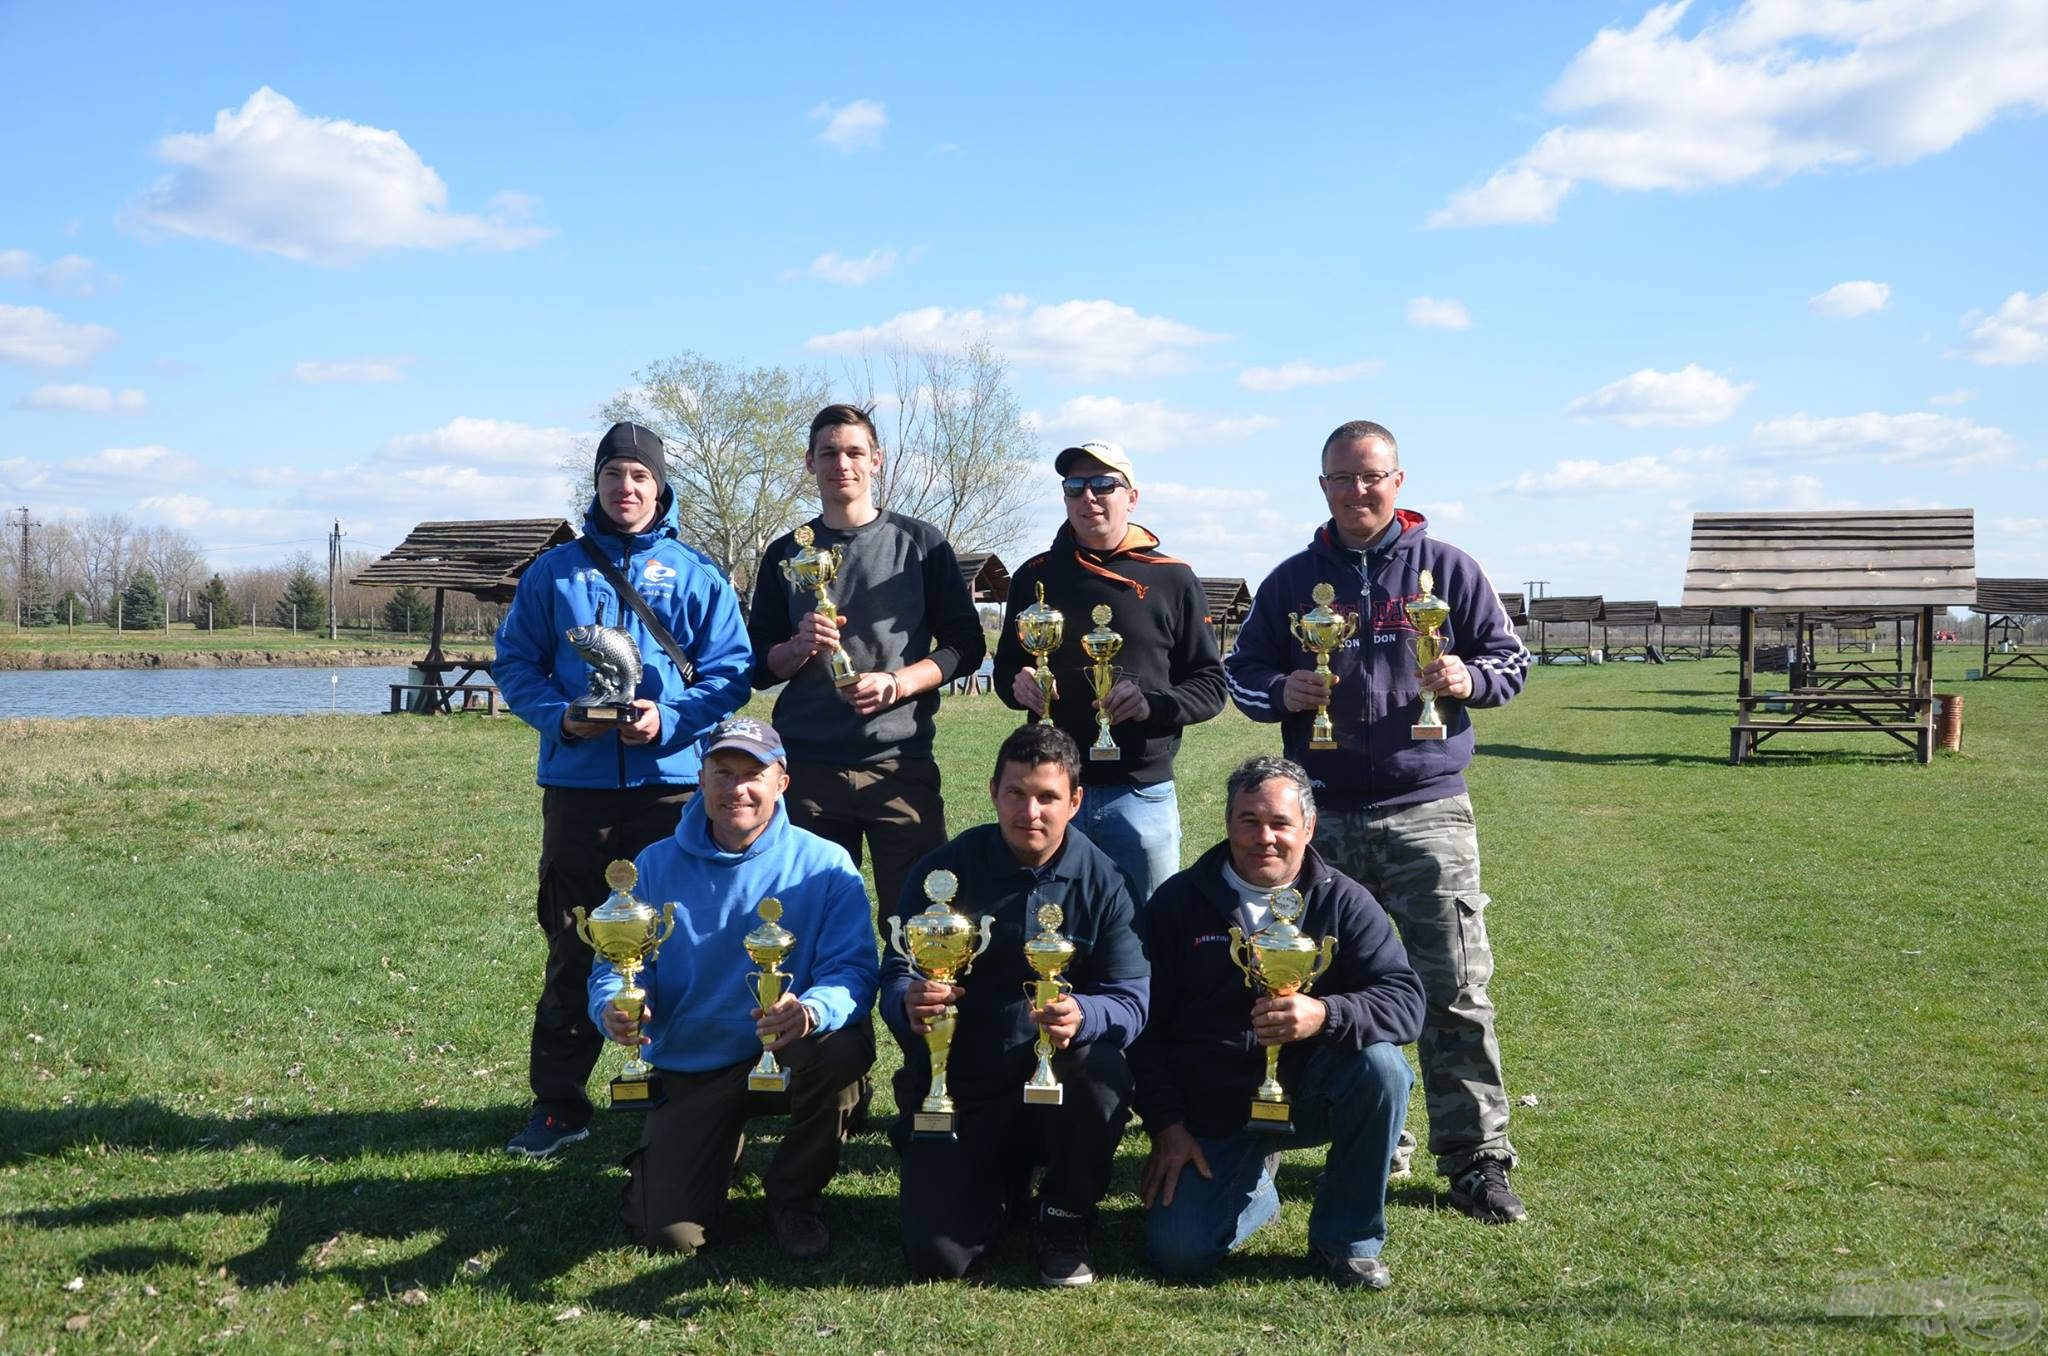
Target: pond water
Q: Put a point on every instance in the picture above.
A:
(70, 693)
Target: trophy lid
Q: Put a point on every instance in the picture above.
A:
(771, 941)
(940, 887)
(1048, 951)
(1324, 595)
(1280, 933)
(1040, 610)
(1427, 582)
(803, 536)
(1101, 614)
(620, 905)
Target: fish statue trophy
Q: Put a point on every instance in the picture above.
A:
(626, 934)
(614, 663)
(1039, 629)
(940, 944)
(1321, 631)
(1426, 614)
(1278, 960)
(1102, 645)
(813, 569)
(1047, 954)
(768, 946)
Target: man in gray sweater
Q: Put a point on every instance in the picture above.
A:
(860, 756)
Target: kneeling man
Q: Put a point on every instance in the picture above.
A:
(959, 1194)
(701, 1028)
(1208, 1185)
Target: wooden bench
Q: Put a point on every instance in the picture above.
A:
(444, 695)
(1901, 716)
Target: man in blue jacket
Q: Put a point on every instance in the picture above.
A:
(735, 847)
(608, 792)
(1208, 1185)
(1395, 814)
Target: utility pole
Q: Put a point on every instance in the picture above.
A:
(25, 603)
(333, 575)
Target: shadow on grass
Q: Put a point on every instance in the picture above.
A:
(1728, 710)
(1524, 751)
(152, 1127)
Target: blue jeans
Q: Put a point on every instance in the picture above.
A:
(1139, 828)
(1355, 1101)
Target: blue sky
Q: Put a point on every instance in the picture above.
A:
(1598, 266)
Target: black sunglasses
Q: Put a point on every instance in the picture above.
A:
(1074, 485)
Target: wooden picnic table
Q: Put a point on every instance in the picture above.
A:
(1903, 715)
(1882, 679)
(437, 696)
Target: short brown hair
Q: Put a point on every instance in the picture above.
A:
(1035, 745)
(1360, 431)
(833, 415)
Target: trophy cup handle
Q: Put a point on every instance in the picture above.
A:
(668, 925)
(583, 926)
(988, 923)
(1294, 628)
(1237, 955)
(1326, 954)
(896, 940)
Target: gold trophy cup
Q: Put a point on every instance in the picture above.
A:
(1102, 645)
(1279, 960)
(1426, 614)
(767, 946)
(625, 933)
(1047, 954)
(1039, 629)
(940, 947)
(813, 569)
(1320, 633)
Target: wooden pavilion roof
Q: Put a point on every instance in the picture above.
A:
(2012, 597)
(1628, 614)
(1566, 608)
(1700, 616)
(1229, 600)
(1835, 560)
(1516, 608)
(483, 558)
(988, 579)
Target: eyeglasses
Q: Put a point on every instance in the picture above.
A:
(1346, 481)
(1102, 485)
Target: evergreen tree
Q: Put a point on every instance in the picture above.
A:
(142, 603)
(408, 610)
(227, 614)
(303, 592)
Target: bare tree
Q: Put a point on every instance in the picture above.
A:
(735, 451)
(104, 544)
(958, 450)
(171, 555)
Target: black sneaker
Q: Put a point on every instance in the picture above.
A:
(1482, 1191)
(1060, 1243)
(800, 1230)
(543, 1135)
(1355, 1273)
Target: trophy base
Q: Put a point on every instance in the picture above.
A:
(1052, 1096)
(932, 1125)
(1322, 743)
(606, 713)
(1272, 1118)
(638, 1094)
(767, 1082)
(1097, 754)
(1426, 732)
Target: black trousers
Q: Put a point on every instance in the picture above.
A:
(582, 832)
(958, 1197)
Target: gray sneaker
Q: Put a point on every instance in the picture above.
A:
(1355, 1273)
(1482, 1191)
(543, 1135)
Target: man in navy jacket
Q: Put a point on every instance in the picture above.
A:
(1395, 815)
(1208, 1185)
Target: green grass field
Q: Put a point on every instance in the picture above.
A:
(1775, 1032)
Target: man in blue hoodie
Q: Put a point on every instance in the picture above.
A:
(735, 847)
(1395, 814)
(607, 792)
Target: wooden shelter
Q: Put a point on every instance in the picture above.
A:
(482, 558)
(1517, 609)
(1564, 610)
(1835, 562)
(1700, 621)
(1228, 601)
(2006, 605)
(988, 579)
(1629, 616)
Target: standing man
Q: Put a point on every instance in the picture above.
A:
(607, 792)
(860, 757)
(1209, 1184)
(1395, 813)
(733, 849)
(1170, 674)
(959, 1195)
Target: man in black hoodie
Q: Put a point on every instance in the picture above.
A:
(1170, 675)
(1209, 1183)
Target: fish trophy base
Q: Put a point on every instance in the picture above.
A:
(1426, 732)
(1052, 1096)
(603, 713)
(768, 1082)
(643, 1093)
(1272, 1118)
(933, 1126)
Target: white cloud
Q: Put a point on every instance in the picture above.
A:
(351, 370)
(1585, 475)
(33, 337)
(23, 475)
(834, 268)
(1687, 398)
(1851, 299)
(492, 444)
(269, 177)
(1082, 338)
(1143, 426)
(1434, 313)
(1227, 530)
(73, 274)
(1962, 395)
(1920, 437)
(84, 400)
(1294, 375)
(2016, 333)
(850, 127)
(1779, 87)
(134, 466)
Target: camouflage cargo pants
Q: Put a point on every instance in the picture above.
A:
(1422, 863)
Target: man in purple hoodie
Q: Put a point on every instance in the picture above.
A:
(1395, 814)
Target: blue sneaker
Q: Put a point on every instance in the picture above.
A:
(543, 1135)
